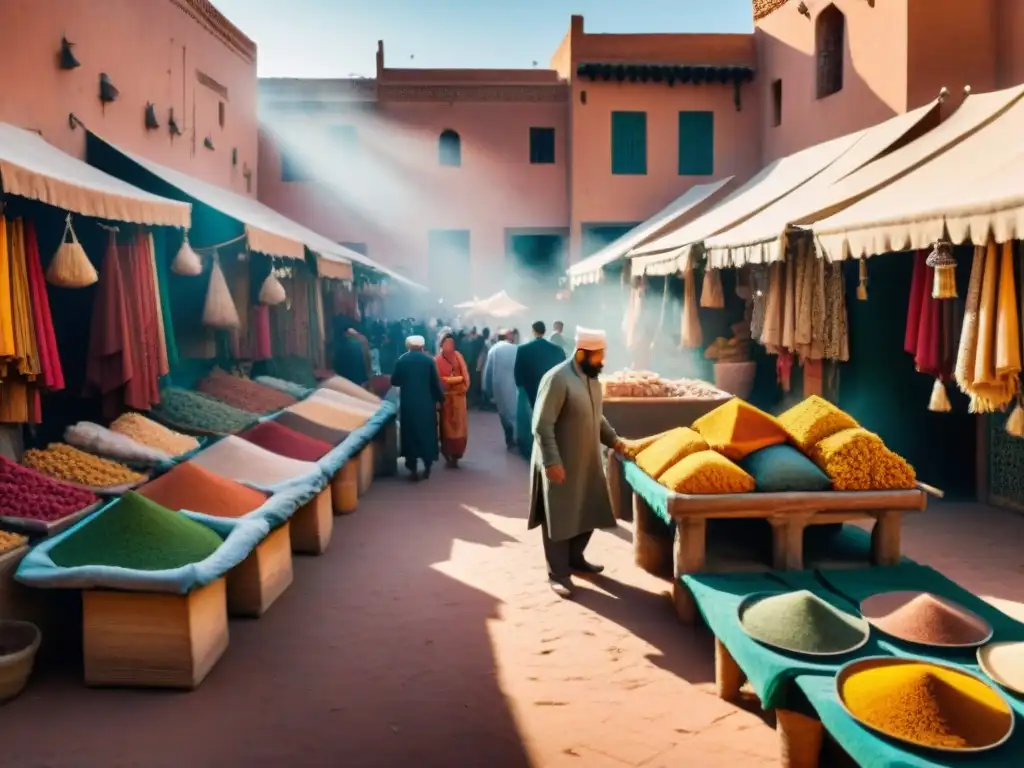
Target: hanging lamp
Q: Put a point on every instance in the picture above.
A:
(942, 261)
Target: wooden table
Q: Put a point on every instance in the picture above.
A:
(789, 514)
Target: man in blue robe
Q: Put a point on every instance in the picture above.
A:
(420, 393)
(533, 360)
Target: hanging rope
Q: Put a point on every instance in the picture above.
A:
(216, 246)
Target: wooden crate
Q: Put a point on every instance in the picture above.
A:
(151, 640)
(256, 582)
(50, 528)
(345, 488)
(366, 466)
(312, 525)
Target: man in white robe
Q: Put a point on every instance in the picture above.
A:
(500, 384)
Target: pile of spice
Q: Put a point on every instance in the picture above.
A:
(70, 465)
(347, 402)
(857, 460)
(28, 495)
(196, 412)
(113, 445)
(346, 387)
(147, 432)
(139, 534)
(11, 541)
(329, 415)
(295, 369)
(246, 462)
(309, 428)
(278, 439)
(803, 622)
(191, 487)
(244, 394)
(929, 620)
(926, 704)
(289, 388)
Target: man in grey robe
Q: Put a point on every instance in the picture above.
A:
(568, 493)
(500, 384)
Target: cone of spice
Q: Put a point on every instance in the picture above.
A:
(345, 401)
(923, 618)
(329, 415)
(278, 439)
(312, 429)
(928, 705)
(196, 412)
(801, 622)
(29, 495)
(245, 462)
(11, 541)
(70, 465)
(138, 534)
(191, 487)
(244, 394)
(149, 433)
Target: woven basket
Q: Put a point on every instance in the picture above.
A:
(21, 639)
(736, 378)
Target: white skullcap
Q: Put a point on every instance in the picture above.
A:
(415, 341)
(590, 339)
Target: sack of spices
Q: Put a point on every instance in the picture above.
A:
(187, 263)
(219, 311)
(70, 267)
(272, 292)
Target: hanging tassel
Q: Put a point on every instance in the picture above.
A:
(862, 286)
(187, 262)
(712, 294)
(939, 402)
(942, 261)
(272, 292)
(1015, 422)
(70, 267)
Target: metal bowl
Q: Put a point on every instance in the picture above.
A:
(753, 599)
(859, 665)
(985, 662)
(877, 607)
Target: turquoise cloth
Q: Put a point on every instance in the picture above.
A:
(649, 489)
(782, 468)
(871, 751)
(769, 672)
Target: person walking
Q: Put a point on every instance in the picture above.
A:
(568, 494)
(454, 373)
(533, 360)
(500, 384)
(558, 337)
(415, 375)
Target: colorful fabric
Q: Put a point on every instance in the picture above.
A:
(454, 420)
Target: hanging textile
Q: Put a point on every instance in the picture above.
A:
(712, 295)
(6, 310)
(691, 336)
(774, 309)
(109, 366)
(163, 276)
(789, 310)
(837, 335)
(809, 332)
(161, 340)
(52, 372)
(25, 351)
(260, 326)
(967, 351)
(238, 275)
(142, 389)
(758, 287)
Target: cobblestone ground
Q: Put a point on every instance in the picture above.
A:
(427, 636)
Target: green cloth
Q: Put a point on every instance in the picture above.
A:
(781, 468)
(139, 534)
(769, 672)
(163, 275)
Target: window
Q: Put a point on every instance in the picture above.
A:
(696, 143)
(293, 169)
(344, 136)
(830, 43)
(449, 148)
(629, 143)
(220, 113)
(542, 146)
(776, 103)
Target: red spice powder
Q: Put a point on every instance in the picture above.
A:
(309, 428)
(286, 442)
(932, 622)
(244, 394)
(189, 486)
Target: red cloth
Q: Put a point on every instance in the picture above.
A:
(918, 290)
(929, 336)
(46, 338)
(110, 364)
(260, 330)
(137, 394)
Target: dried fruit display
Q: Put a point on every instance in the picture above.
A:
(61, 461)
(11, 541)
(26, 494)
(629, 383)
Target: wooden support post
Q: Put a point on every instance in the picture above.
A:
(690, 552)
(312, 525)
(729, 678)
(618, 489)
(366, 468)
(255, 583)
(788, 540)
(800, 739)
(885, 538)
(652, 547)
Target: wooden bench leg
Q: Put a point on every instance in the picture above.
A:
(618, 488)
(800, 739)
(788, 541)
(688, 557)
(885, 539)
(652, 547)
(729, 678)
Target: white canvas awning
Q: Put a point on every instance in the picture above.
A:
(974, 188)
(31, 167)
(590, 269)
(332, 254)
(668, 254)
(500, 305)
(761, 239)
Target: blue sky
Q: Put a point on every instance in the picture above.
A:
(338, 38)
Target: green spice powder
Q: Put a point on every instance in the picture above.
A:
(139, 534)
(802, 622)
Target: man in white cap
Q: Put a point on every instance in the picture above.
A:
(568, 493)
(421, 392)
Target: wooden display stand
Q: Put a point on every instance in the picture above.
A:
(386, 450)
(152, 640)
(345, 488)
(366, 468)
(800, 736)
(789, 514)
(312, 525)
(256, 582)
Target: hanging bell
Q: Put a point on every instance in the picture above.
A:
(862, 286)
(942, 261)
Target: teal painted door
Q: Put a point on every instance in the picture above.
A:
(629, 143)
(448, 264)
(597, 236)
(696, 143)
(538, 259)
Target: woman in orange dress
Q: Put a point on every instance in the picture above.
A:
(454, 373)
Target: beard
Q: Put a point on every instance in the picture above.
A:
(591, 370)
